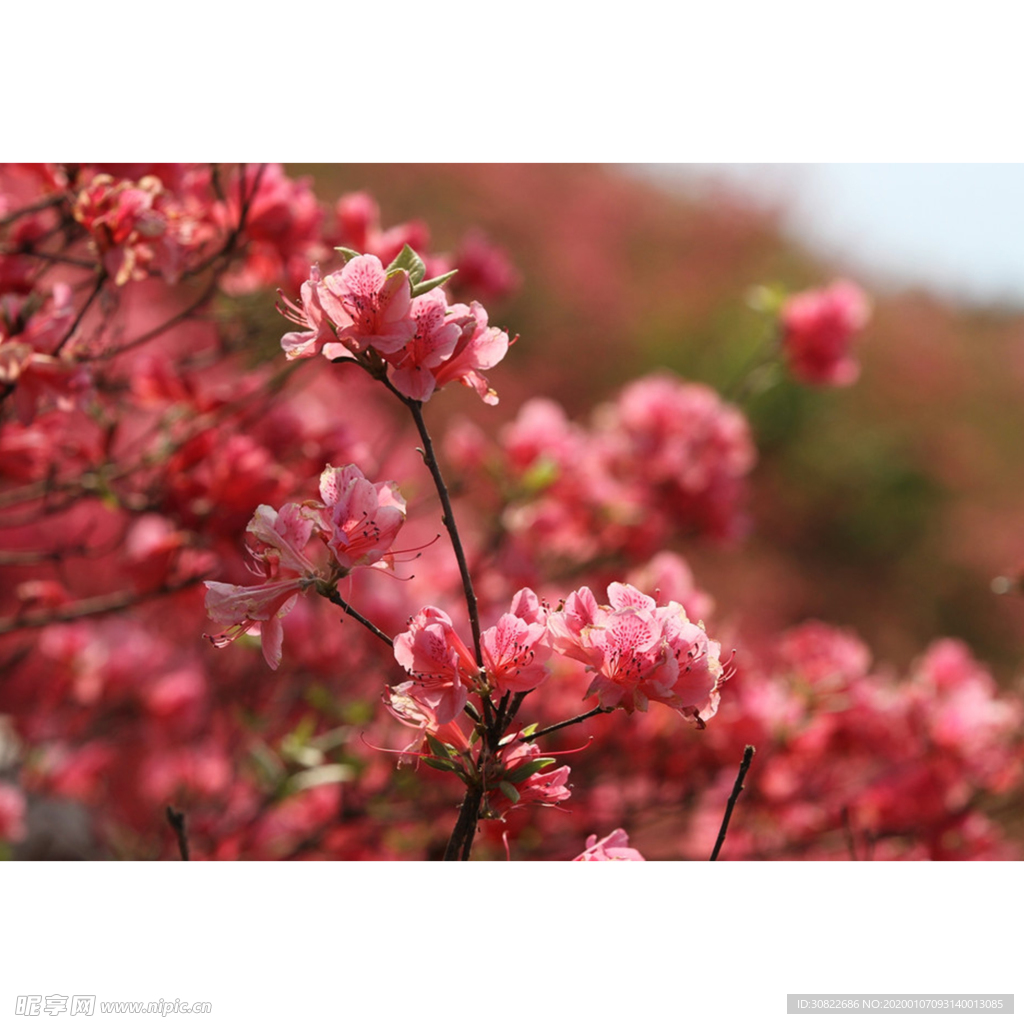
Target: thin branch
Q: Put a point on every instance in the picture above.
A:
(513, 709)
(49, 257)
(748, 756)
(90, 606)
(430, 458)
(335, 598)
(570, 721)
(224, 254)
(42, 204)
(101, 278)
(207, 294)
(176, 819)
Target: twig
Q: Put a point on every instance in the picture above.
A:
(748, 756)
(42, 204)
(90, 606)
(176, 819)
(101, 278)
(224, 254)
(570, 721)
(430, 458)
(335, 598)
(848, 833)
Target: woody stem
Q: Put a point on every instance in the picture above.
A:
(430, 458)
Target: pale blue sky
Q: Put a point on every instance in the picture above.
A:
(957, 229)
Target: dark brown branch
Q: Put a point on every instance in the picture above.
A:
(101, 278)
(224, 255)
(49, 257)
(570, 721)
(176, 819)
(90, 606)
(335, 598)
(448, 518)
(461, 841)
(42, 204)
(748, 755)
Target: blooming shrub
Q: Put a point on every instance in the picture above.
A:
(165, 440)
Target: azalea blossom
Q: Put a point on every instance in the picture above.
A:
(519, 778)
(369, 307)
(438, 663)
(416, 363)
(281, 538)
(614, 846)
(137, 227)
(444, 669)
(818, 328)
(404, 705)
(640, 652)
(303, 344)
(357, 521)
(361, 519)
(479, 347)
(515, 649)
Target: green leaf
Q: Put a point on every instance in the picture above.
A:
(437, 747)
(530, 729)
(442, 766)
(349, 254)
(410, 262)
(524, 771)
(510, 791)
(422, 287)
(543, 472)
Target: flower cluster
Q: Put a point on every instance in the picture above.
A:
(366, 310)
(116, 510)
(32, 365)
(663, 460)
(640, 652)
(356, 520)
(138, 228)
(818, 328)
(443, 671)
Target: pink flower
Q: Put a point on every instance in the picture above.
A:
(361, 518)
(138, 227)
(438, 663)
(359, 226)
(823, 656)
(484, 269)
(416, 363)
(303, 344)
(369, 307)
(479, 348)
(515, 649)
(640, 652)
(281, 538)
(686, 451)
(402, 702)
(121, 218)
(444, 669)
(614, 846)
(519, 779)
(817, 330)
